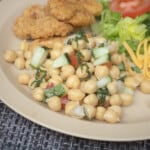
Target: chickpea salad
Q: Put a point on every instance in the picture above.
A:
(84, 76)
(90, 74)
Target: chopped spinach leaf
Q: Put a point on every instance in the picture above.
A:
(39, 77)
(102, 93)
(86, 67)
(57, 90)
(79, 56)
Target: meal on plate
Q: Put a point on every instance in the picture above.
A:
(84, 58)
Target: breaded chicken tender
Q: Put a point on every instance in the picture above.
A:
(75, 12)
(92, 6)
(56, 19)
(35, 24)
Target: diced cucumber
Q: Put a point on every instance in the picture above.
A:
(98, 52)
(104, 81)
(60, 61)
(101, 60)
(39, 56)
(124, 89)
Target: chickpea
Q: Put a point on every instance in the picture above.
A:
(126, 99)
(73, 81)
(114, 72)
(24, 78)
(38, 94)
(89, 86)
(20, 53)
(93, 78)
(86, 54)
(27, 64)
(47, 77)
(91, 99)
(67, 49)
(90, 111)
(10, 56)
(20, 63)
(116, 109)
(131, 82)
(99, 40)
(48, 63)
(28, 55)
(145, 86)
(56, 79)
(116, 59)
(139, 77)
(54, 103)
(67, 71)
(75, 95)
(24, 45)
(101, 71)
(111, 116)
(55, 53)
(112, 87)
(91, 43)
(73, 108)
(43, 85)
(115, 100)
(80, 44)
(100, 111)
(113, 47)
(66, 88)
(57, 45)
(91, 67)
(81, 72)
(69, 107)
(52, 71)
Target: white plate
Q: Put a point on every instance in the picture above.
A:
(135, 124)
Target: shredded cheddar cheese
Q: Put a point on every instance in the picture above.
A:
(142, 57)
(132, 55)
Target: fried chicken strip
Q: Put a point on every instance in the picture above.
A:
(35, 24)
(75, 12)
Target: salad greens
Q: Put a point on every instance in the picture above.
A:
(113, 26)
(129, 29)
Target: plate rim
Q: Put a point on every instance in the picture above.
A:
(34, 115)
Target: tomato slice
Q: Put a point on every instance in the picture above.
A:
(73, 59)
(130, 8)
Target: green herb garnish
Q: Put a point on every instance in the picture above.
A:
(86, 67)
(81, 35)
(39, 77)
(57, 90)
(102, 93)
(79, 56)
(136, 69)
